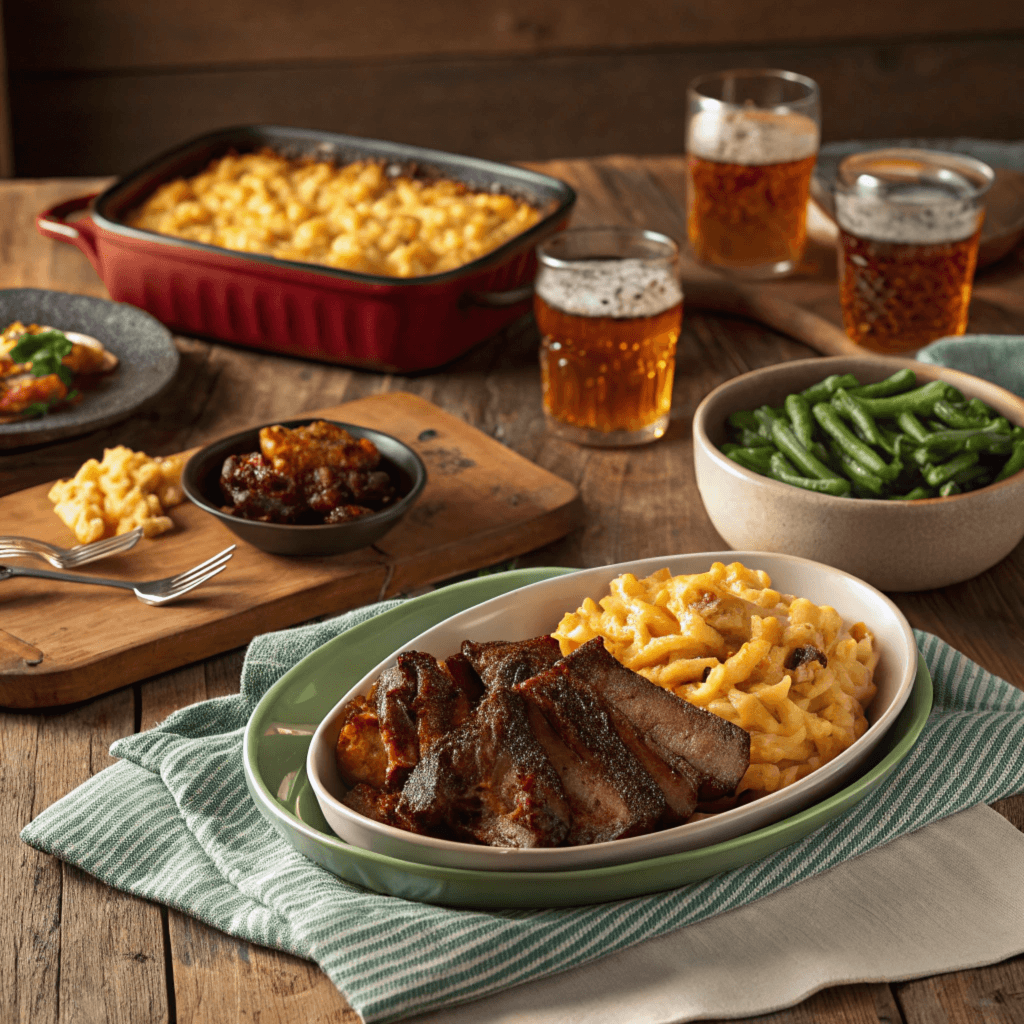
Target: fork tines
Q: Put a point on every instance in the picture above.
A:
(210, 568)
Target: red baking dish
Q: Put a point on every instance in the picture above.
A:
(303, 309)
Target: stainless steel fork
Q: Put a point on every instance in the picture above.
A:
(149, 592)
(68, 558)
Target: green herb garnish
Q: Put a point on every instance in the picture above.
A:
(44, 352)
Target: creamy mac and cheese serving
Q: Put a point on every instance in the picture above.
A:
(355, 217)
(786, 670)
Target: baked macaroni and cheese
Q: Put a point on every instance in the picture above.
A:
(127, 489)
(355, 217)
(786, 670)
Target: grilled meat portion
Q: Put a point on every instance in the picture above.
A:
(611, 789)
(490, 781)
(394, 693)
(439, 705)
(504, 663)
(255, 490)
(465, 677)
(372, 803)
(360, 753)
(507, 744)
(671, 728)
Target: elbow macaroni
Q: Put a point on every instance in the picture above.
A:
(355, 217)
(725, 641)
(127, 489)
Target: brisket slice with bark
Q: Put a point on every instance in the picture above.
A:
(393, 694)
(505, 663)
(489, 781)
(673, 730)
(610, 793)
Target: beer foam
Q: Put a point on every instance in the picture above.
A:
(926, 216)
(751, 137)
(615, 288)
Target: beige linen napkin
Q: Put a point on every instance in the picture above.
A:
(945, 898)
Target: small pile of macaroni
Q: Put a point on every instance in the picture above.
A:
(127, 489)
(781, 667)
(354, 217)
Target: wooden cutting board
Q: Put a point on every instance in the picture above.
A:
(61, 643)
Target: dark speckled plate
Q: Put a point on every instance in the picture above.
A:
(148, 360)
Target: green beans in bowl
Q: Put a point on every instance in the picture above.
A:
(902, 473)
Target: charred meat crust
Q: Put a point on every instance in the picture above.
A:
(395, 692)
(360, 753)
(623, 798)
(505, 663)
(674, 729)
(490, 781)
(507, 744)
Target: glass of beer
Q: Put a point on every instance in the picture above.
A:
(609, 308)
(751, 145)
(909, 222)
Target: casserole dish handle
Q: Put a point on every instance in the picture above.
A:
(53, 223)
(498, 300)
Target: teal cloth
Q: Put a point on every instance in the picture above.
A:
(173, 822)
(998, 358)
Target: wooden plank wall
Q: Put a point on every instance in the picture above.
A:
(119, 80)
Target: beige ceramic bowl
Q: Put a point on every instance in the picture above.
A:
(894, 545)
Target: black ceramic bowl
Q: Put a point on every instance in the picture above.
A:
(201, 482)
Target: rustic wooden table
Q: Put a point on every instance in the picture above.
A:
(72, 949)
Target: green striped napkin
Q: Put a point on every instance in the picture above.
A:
(173, 822)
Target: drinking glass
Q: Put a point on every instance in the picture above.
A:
(751, 144)
(909, 222)
(609, 308)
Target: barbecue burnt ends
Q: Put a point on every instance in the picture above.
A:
(509, 744)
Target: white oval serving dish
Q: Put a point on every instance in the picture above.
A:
(537, 609)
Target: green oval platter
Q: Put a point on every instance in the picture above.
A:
(279, 731)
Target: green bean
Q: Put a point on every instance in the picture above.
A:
(862, 477)
(920, 400)
(743, 420)
(757, 460)
(937, 475)
(900, 381)
(915, 495)
(848, 444)
(976, 407)
(751, 439)
(972, 475)
(825, 389)
(850, 409)
(1014, 464)
(949, 488)
(799, 413)
(765, 418)
(912, 426)
(954, 417)
(838, 488)
(787, 443)
(995, 444)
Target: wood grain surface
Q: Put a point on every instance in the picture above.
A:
(60, 963)
(482, 503)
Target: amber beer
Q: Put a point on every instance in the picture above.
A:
(609, 331)
(749, 178)
(909, 225)
(898, 297)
